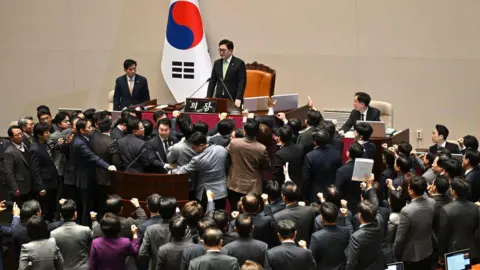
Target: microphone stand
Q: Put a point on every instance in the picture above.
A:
(208, 80)
(228, 92)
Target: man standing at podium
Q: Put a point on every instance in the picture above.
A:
(361, 112)
(229, 75)
(131, 88)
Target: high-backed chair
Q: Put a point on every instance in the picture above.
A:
(110, 100)
(260, 80)
(386, 111)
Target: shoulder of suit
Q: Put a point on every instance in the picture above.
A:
(123, 77)
(234, 58)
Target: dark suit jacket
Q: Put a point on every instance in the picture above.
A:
(440, 202)
(303, 217)
(158, 146)
(350, 190)
(19, 237)
(122, 97)
(235, 79)
(142, 228)
(17, 170)
(85, 162)
(134, 152)
(373, 114)
(263, 229)
(67, 151)
(191, 253)
(474, 177)
(274, 207)
(169, 256)
(305, 138)
(365, 248)
(289, 256)
(328, 247)
(116, 133)
(459, 222)
(453, 148)
(220, 140)
(101, 144)
(246, 249)
(369, 150)
(214, 261)
(293, 154)
(43, 167)
(319, 171)
(26, 141)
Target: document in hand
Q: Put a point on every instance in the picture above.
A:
(362, 167)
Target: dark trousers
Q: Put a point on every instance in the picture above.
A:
(48, 203)
(234, 198)
(424, 264)
(23, 198)
(101, 195)
(88, 205)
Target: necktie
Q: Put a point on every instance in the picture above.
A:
(362, 117)
(130, 85)
(225, 67)
(30, 139)
(165, 143)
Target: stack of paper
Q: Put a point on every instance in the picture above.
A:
(362, 167)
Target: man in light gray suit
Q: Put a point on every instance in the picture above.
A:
(413, 242)
(213, 259)
(180, 154)
(245, 247)
(73, 240)
(169, 256)
(209, 167)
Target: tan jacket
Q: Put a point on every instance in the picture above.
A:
(248, 158)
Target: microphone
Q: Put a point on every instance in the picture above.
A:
(208, 80)
(139, 155)
(228, 92)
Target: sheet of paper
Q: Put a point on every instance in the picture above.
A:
(362, 167)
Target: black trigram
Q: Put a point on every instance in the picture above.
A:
(185, 70)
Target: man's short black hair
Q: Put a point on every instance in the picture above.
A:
(110, 225)
(251, 128)
(251, 203)
(389, 158)
(442, 184)
(286, 134)
(197, 138)
(364, 130)
(113, 205)
(470, 142)
(60, 116)
(165, 122)
(43, 111)
(286, 228)
(329, 126)
(193, 212)
(37, 228)
(29, 208)
(89, 113)
(226, 126)
(367, 211)
(355, 150)
(153, 203)
(472, 156)
(200, 126)
(273, 190)
(334, 196)
(39, 129)
(453, 167)
(405, 148)
(68, 209)
(404, 163)
(204, 223)
(157, 115)
(148, 127)
(239, 133)
(329, 212)
(212, 237)
(461, 188)
(364, 98)
(128, 63)
(244, 225)
(227, 43)
(291, 192)
(442, 131)
(81, 124)
(132, 125)
(168, 206)
(321, 137)
(418, 185)
(397, 201)
(104, 125)
(10, 130)
(178, 226)
(221, 219)
(431, 158)
(314, 118)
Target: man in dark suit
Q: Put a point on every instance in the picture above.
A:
(163, 141)
(169, 256)
(413, 241)
(320, 166)
(273, 200)
(468, 142)
(221, 219)
(131, 152)
(438, 192)
(471, 159)
(288, 255)
(328, 245)
(131, 88)
(246, 248)
(198, 249)
(262, 224)
(361, 111)
(459, 222)
(224, 136)
(44, 171)
(86, 162)
(364, 250)
(101, 144)
(153, 204)
(231, 70)
(335, 138)
(439, 138)
(19, 233)
(26, 124)
(213, 259)
(363, 131)
(350, 190)
(305, 136)
(303, 216)
(120, 129)
(402, 166)
(16, 163)
(288, 153)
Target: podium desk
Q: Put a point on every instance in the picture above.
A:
(133, 185)
(211, 119)
(378, 166)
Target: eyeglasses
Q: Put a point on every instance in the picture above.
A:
(222, 50)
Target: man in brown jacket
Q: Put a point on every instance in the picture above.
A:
(248, 159)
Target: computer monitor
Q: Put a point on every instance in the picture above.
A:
(395, 266)
(378, 128)
(458, 260)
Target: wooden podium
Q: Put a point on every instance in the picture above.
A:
(210, 105)
(136, 185)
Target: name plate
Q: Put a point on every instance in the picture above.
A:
(201, 106)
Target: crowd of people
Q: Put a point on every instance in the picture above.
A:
(275, 194)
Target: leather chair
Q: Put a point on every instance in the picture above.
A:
(260, 80)
(110, 100)
(386, 111)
